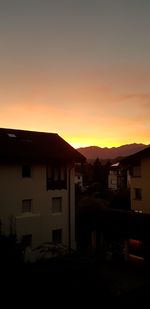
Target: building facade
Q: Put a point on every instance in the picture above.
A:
(117, 177)
(37, 196)
(139, 169)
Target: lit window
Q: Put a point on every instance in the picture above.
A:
(26, 206)
(56, 204)
(57, 236)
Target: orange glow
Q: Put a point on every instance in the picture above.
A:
(67, 69)
(82, 110)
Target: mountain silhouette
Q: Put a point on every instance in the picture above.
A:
(93, 152)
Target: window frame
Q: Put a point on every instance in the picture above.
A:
(56, 177)
(54, 211)
(30, 206)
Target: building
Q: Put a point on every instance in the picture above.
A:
(118, 177)
(79, 179)
(37, 200)
(79, 176)
(138, 165)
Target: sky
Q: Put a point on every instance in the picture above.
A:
(79, 68)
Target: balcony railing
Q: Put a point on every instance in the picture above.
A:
(56, 184)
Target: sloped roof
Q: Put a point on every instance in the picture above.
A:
(136, 157)
(36, 146)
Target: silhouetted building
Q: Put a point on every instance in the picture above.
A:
(118, 177)
(79, 179)
(138, 165)
(37, 187)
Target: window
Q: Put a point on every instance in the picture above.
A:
(26, 171)
(137, 194)
(56, 177)
(136, 171)
(57, 236)
(26, 240)
(56, 204)
(26, 206)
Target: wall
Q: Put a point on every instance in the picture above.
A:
(146, 185)
(41, 222)
(142, 182)
(112, 181)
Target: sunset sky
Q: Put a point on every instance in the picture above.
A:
(79, 68)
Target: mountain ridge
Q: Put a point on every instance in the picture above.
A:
(93, 152)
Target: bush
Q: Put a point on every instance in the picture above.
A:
(10, 250)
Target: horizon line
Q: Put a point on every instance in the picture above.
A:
(103, 147)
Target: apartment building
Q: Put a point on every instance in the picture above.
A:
(138, 165)
(37, 196)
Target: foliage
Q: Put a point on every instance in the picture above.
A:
(120, 200)
(46, 251)
(10, 250)
(95, 175)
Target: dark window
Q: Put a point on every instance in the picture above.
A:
(26, 171)
(138, 194)
(56, 177)
(136, 171)
(57, 236)
(56, 204)
(26, 206)
(26, 240)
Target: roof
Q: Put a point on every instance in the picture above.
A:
(136, 157)
(34, 146)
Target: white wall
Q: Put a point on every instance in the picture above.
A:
(41, 222)
(143, 183)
